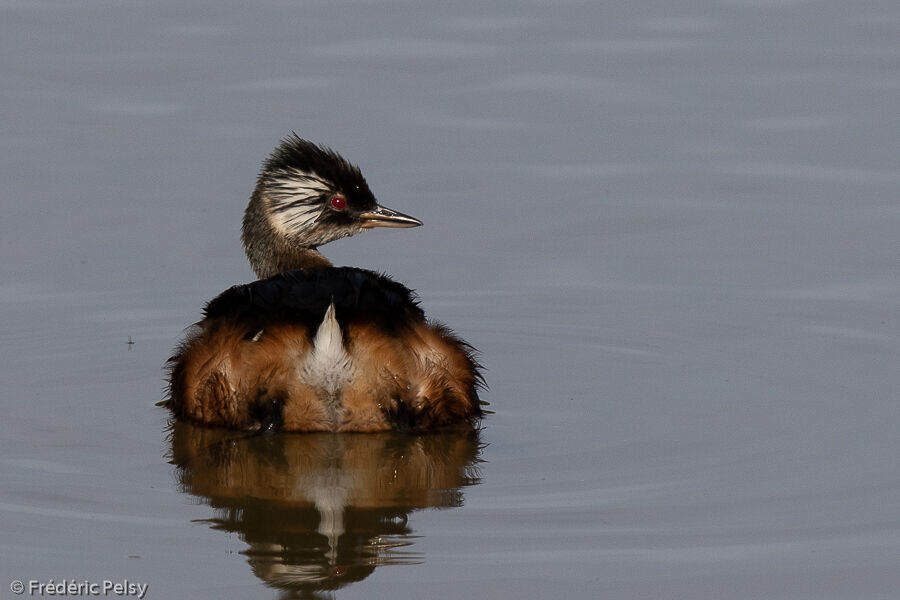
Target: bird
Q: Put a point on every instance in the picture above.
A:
(314, 347)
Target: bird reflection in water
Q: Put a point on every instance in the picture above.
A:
(322, 510)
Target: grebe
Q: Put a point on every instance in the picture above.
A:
(309, 346)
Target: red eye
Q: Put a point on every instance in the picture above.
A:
(339, 203)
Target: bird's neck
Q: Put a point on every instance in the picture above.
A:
(284, 259)
(275, 256)
(268, 252)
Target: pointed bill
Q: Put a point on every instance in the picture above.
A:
(381, 216)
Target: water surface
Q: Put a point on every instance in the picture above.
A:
(670, 228)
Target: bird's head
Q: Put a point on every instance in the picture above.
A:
(310, 195)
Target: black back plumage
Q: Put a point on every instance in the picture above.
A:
(303, 296)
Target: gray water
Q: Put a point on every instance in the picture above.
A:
(671, 229)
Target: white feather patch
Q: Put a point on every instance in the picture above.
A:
(294, 200)
(327, 366)
(294, 220)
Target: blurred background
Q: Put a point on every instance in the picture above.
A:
(671, 229)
